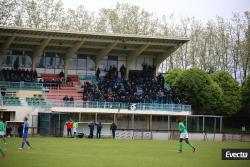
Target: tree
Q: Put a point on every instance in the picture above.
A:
(172, 75)
(245, 94)
(128, 19)
(197, 87)
(7, 11)
(45, 14)
(231, 92)
(79, 20)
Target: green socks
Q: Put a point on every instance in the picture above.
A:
(4, 140)
(1, 150)
(190, 144)
(180, 145)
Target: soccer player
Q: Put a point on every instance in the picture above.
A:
(184, 136)
(2, 129)
(25, 134)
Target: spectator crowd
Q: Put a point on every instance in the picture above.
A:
(141, 87)
(17, 75)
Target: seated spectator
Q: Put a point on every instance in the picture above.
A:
(17, 75)
(66, 98)
(71, 99)
(142, 87)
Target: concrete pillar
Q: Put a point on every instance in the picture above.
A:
(168, 122)
(221, 124)
(203, 123)
(133, 121)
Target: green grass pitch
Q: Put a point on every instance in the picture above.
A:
(72, 152)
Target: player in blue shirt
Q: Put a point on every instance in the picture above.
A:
(25, 134)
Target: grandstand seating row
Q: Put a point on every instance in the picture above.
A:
(48, 77)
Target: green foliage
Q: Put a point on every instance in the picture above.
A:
(172, 76)
(196, 87)
(245, 94)
(231, 92)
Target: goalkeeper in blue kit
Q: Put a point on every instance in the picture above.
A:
(184, 136)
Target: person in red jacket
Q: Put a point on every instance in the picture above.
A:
(69, 127)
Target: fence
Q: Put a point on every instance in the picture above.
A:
(117, 105)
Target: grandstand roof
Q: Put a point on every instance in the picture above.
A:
(92, 43)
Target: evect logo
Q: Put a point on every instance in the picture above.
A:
(235, 154)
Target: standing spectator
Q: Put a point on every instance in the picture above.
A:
(16, 64)
(69, 127)
(69, 81)
(123, 71)
(97, 74)
(98, 130)
(20, 130)
(91, 129)
(8, 131)
(61, 75)
(113, 128)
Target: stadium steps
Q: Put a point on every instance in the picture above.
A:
(47, 77)
(58, 94)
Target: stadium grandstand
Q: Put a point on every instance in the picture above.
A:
(53, 76)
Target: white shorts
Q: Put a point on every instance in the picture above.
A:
(184, 136)
(1, 133)
(74, 130)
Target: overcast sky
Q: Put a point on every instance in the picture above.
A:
(201, 9)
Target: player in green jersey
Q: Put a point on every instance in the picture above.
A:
(2, 129)
(183, 136)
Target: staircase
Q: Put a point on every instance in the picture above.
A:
(58, 94)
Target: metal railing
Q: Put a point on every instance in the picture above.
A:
(28, 85)
(104, 105)
(117, 105)
(21, 85)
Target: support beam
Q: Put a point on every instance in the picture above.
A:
(215, 124)
(221, 124)
(133, 55)
(186, 122)
(70, 52)
(168, 122)
(104, 52)
(5, 46)
(80, 117)
(96, 117)
(133, 121)
(38, 51)
(114, 119)
(203, 124)
(159, 59)
(150, 122)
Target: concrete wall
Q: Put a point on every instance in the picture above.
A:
(206, 137)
